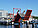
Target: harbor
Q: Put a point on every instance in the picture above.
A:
(18, 20)
(18, 13)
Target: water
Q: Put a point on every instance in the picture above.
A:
(12, 26)
(4, 26)
(37, 25)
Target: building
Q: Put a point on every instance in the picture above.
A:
(3, 13)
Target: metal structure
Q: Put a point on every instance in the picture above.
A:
(16, 9)
(13, 12)
(28, 14)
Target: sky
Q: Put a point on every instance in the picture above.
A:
(23, 4)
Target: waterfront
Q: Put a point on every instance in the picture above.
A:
(12, 26)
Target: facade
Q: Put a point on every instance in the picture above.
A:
(3, 13)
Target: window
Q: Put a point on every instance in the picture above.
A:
(0, 13)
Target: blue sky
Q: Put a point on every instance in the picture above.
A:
(23, 4)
